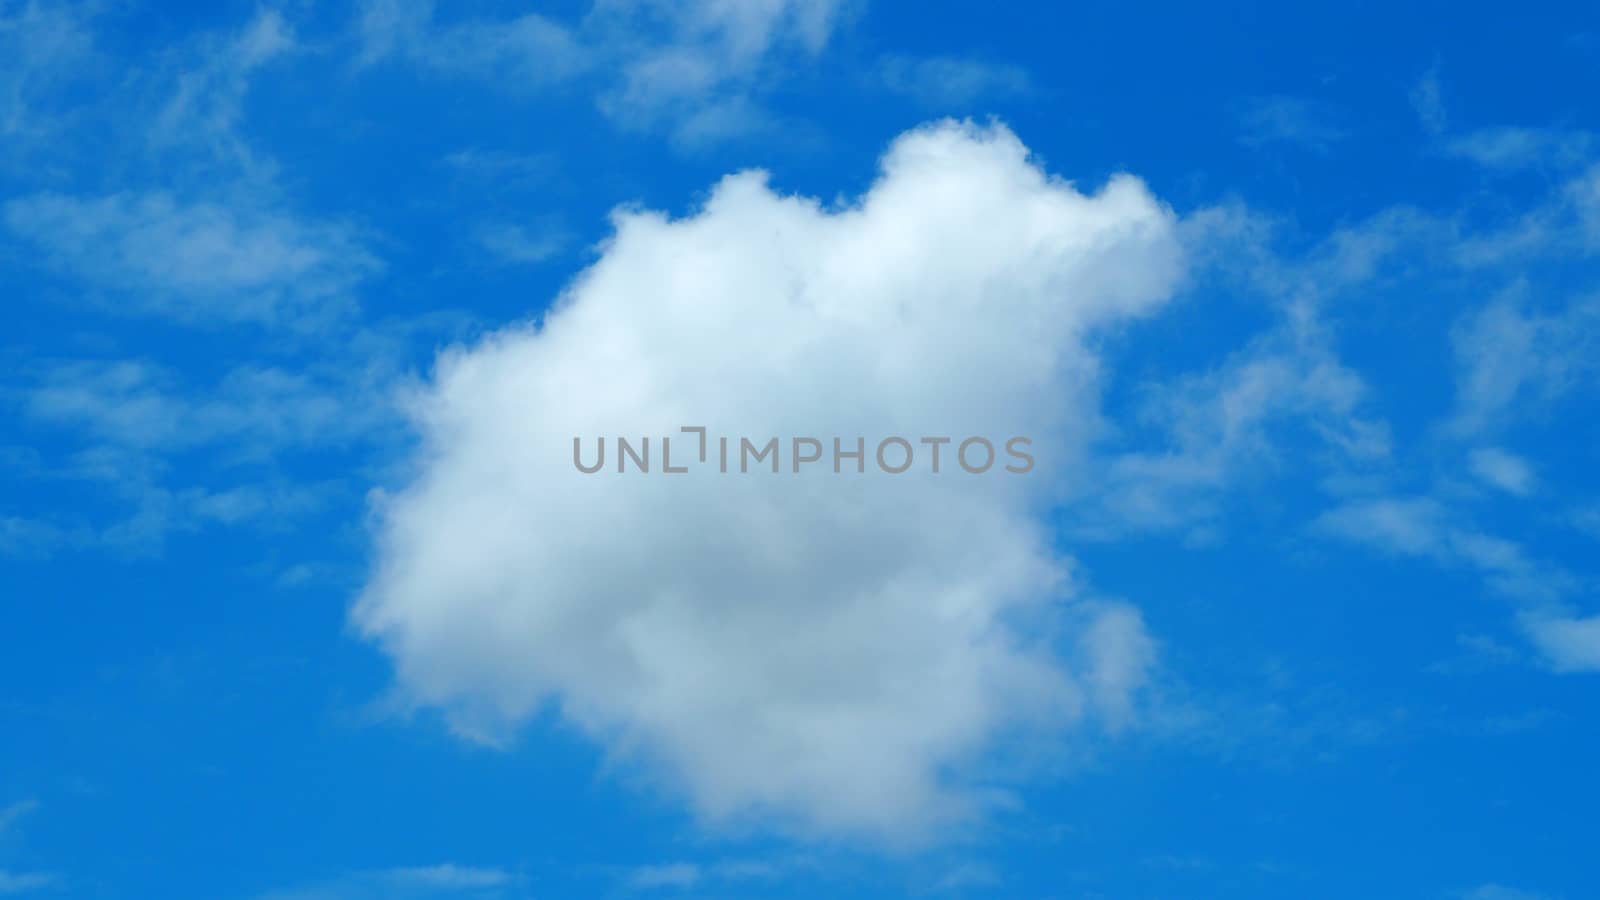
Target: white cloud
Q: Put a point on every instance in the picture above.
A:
(26, 882)
(1502, 147)
(1566, 225)
(1288, 120)
(1424, 527)
(1508, 147)
(28, 538)
(14, 813)
(525, 52)
(1407, 527)
(691, 69)
(13, 882)
(419, 882)
(946, 81)
(197, 260)
(1427, 98)
(254, 410)
(737, 34)
(1569, 644)
(205, 98)
(503, 168)
(451, 876)
(1499, 469)
(969, 876)
(830, 651)
(520, 245)
(154, 512)
(232, 444)
(1189, 443)
(1221, 427)
(667, 875)
(46, 46)
(1512, 361)
(683, 875)
(190, 221)
(1404, 242)
(694, 68)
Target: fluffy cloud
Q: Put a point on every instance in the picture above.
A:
(833, 651)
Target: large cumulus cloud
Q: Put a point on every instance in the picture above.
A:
(837, 652)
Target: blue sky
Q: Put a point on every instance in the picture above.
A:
(299, 599)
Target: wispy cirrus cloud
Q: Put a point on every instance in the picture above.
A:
(192, 223)
(1511, 148)
(1194, 440)
(1570, 643)
(1187, 443)
(12, 814)
(1427, 98)
(1216, 429)
(201, 91)
(46, 47)
(1298, 121)
(27, 882)
(1503, 470)
(1513, 361)
(1426, 528)
(952, 83)
(693, 70)
(523, 53)
(503, 168)
(198, 260)
(411, 883)
(521, 244)
(22, 882)
(171, 455)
